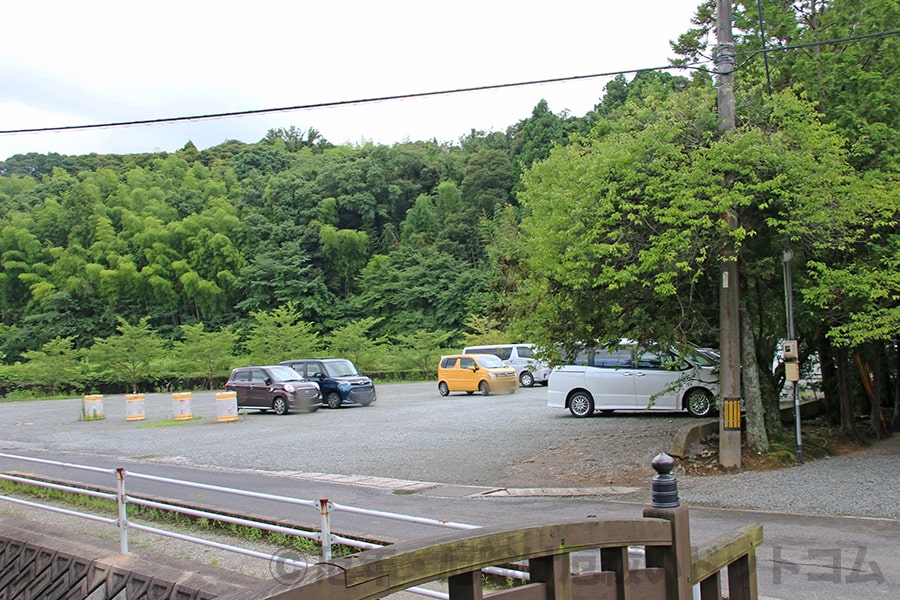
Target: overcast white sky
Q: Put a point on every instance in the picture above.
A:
(99, 61)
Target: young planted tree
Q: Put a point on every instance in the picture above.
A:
(133, 356)
(279, 335)
(57, 365)
(354, 342)
(206, 354)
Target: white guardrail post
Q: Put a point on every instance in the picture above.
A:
(120, 503)
(325, 527)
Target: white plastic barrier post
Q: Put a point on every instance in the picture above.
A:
(92, 407)
(226, 407)
(134, 407)
(181, 406)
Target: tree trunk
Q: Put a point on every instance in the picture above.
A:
(831, 385)
(756, 422)
(895, 422)
(846, 404)
(876, 415)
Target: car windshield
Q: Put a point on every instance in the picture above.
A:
(340, 368)
(284, 374)
(489, 361)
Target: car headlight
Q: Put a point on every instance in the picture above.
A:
(289, 388)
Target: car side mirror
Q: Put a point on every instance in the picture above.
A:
(319, 375)
(268, 381)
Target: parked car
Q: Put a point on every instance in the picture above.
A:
(339, 380)
(277, 388)
(518, 356)
(469, 373)
(631, 378)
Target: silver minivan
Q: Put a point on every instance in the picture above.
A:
(628, 377)
(518, 356)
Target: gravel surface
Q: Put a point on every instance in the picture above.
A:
(863, 484)
(509, 441)
(412, 433)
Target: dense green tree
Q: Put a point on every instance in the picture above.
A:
(488, 181)
(625, 230)
(537, 135)
(850, 81)
(346, 251)
(421, 224)
(260, 159)
(415, 288)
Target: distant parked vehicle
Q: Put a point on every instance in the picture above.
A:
(469, 373)
(276, 388)
(628, 377)
(339, 380)
(518, 356)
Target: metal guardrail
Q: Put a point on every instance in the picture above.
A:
(323, 536)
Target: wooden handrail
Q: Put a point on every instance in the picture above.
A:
(712, 557)
(382, 571)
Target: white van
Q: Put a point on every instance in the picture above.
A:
(518, 356)
(631, 378)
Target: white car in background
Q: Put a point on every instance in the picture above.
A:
(529, 370)
(628, 377)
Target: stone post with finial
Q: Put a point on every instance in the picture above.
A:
(664, 504)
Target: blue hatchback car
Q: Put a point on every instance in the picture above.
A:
(340, 382)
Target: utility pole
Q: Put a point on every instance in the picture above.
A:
(729, 295)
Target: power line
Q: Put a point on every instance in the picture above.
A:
(260, 111)
(300, 107)
(856, 38)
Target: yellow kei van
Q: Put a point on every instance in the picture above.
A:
(472, 373)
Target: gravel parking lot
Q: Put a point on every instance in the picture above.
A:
(411, 432)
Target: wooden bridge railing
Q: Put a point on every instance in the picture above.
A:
(669, 569)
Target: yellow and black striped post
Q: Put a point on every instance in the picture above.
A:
(731, 414)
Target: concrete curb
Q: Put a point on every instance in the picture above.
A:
(689, 434)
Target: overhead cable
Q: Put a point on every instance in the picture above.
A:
(333, 104)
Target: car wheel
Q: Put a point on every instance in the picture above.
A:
(279, 406)
(699, 403)
(333, 399)
(581, 405)
(443, 390)
(484, 389)
(526, 379)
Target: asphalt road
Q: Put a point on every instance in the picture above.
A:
(471, 444)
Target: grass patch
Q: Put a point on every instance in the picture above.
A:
(93, 416)
(168, 422)
(162, 518)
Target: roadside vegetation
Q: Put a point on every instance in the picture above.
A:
(170, 520)
(162, 271)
